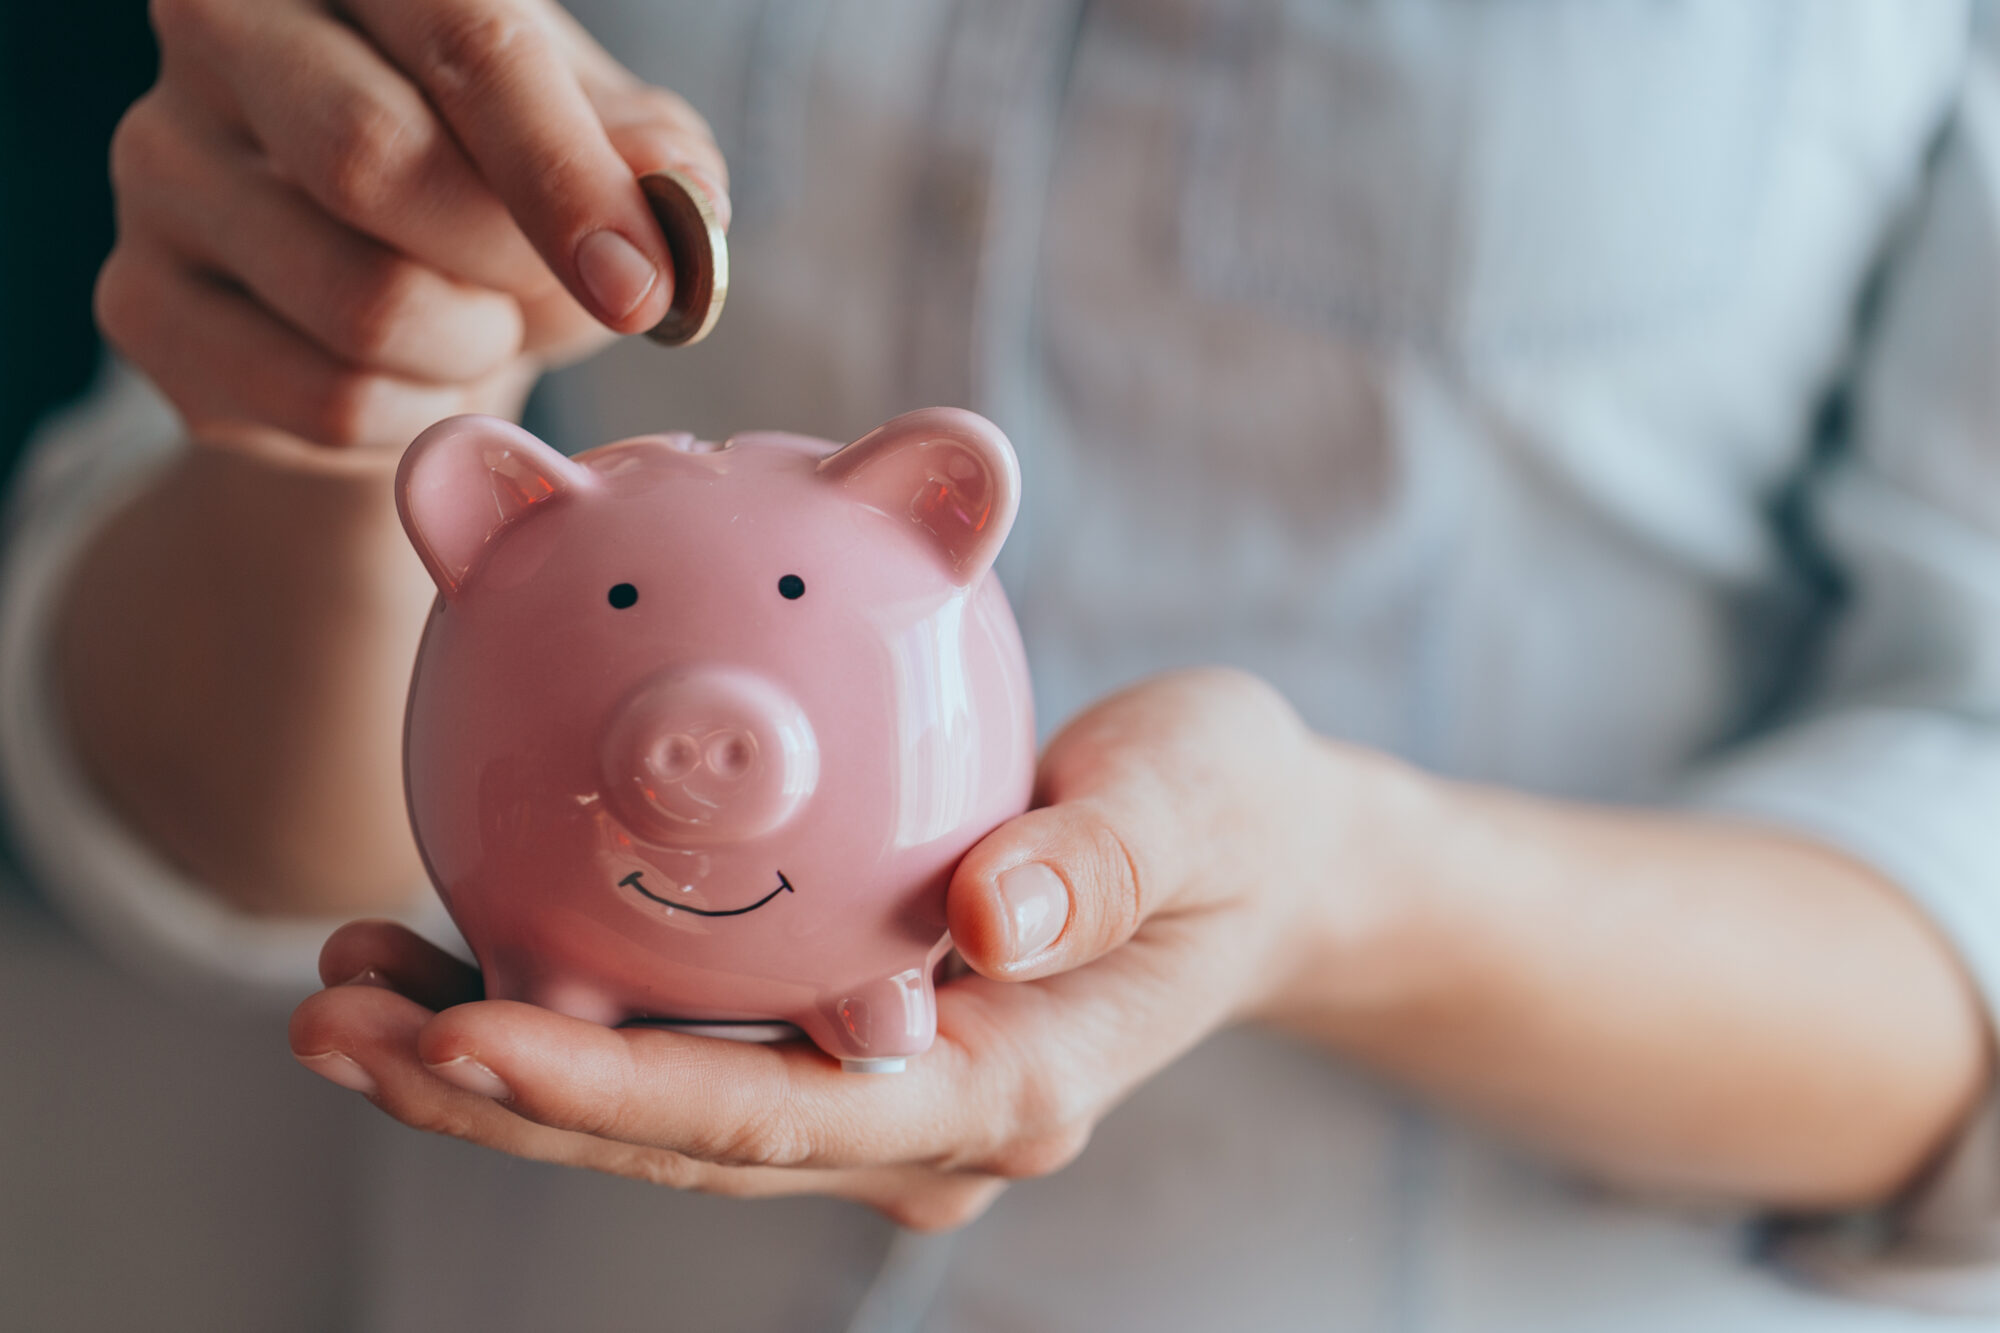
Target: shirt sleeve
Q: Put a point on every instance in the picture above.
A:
(1896, 758)
(81, 468)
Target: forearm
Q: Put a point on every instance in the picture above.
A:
(1673, 1002)
(234, 649)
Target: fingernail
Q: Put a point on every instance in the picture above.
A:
(335, 1067)
(1037, 905)
(467, 1073)
(616, 274)
(370, 976)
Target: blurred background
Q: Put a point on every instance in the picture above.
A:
(66, 73)
(111, 1137)
(93, 1189)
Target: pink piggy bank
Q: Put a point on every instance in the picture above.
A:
(698, 732)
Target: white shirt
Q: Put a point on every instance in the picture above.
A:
(1462, 370)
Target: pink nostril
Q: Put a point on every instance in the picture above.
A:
(674, 757)
(727, 754)
(731, 754)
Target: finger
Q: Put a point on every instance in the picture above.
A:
(496, 72)
(362, 302)
(1051, 890)
(725, 1102)
(350, 130)
(410, 963)
(1155, 800)
(655, 130)
(1016, 1078)
(364, 1038)
(558, 330)
(226, 363)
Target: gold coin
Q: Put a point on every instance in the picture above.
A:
(700, 252)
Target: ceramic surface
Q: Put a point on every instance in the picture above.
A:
(698, 731)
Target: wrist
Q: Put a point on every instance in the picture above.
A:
(1372, 933)
(234, 647)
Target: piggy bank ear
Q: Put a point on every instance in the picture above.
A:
(466, 480)
(948, 472)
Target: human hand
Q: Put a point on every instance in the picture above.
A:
(339, 221)
(1189, 823)
(344, 221)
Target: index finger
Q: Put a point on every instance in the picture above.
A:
(495, 71)
(729, 1103)
(1016, 1077)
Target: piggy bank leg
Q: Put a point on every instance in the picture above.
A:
(580, 1002)
(876, 1027)
(560, 994)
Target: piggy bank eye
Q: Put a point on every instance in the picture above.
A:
(623, 595)
(791, 587)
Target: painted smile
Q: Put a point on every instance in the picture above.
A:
(784, 886)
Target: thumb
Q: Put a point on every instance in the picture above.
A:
(1056, 887)
(1157, 797)
(654, 130)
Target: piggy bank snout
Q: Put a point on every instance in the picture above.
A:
(706, 757)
